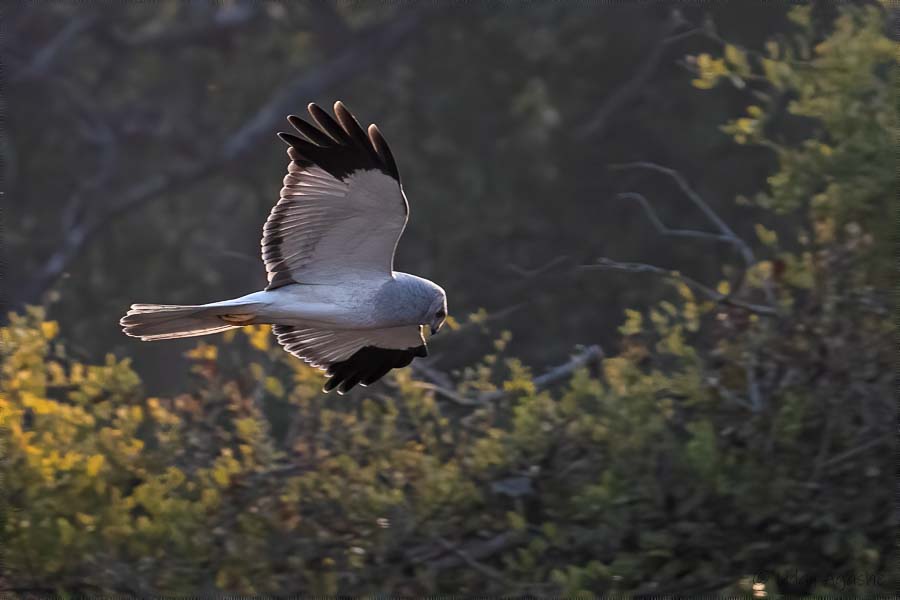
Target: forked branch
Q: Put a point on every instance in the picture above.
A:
(723, 234)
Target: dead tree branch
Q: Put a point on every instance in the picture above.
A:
(581, 359)
(840, 458)
(476, 550)
(439, 385)
(226, 20)
(354, 59)
(606, 264)
(627, 91)
(725, 234)
(44, 59)
(664, 229)
(470, 561)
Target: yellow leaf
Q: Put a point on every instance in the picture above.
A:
(668, 307)
(76, 373)
(745, 125)
(86, 520)
(49, 329)
(259, 336)
(685, 291)
(633, 322)
(736, 57)
(220, 474)
(203, 351)
(766, 236)
(723, 288)
(66, 531)
(274, 387)
(257, 370)
(56, 372)
(94, 464)
(516, 521)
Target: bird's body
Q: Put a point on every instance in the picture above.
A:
(364, 303)
(333, 297)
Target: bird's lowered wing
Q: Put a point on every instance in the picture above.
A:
(353, 356)
(342, 209)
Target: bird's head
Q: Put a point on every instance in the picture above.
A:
(437, 312)
(426, 299)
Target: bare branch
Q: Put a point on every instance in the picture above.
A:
(753, 386)
(726, 231)
(663, 229)
(726, 234)
(550, 377)
(477, 550)
(489, 572)
(628, 90)
(528, 273)
(355, 58)
(226, 20)
(431, 373)
(80, 234)
(43, 60)
(728, 394)
(838, 459)
(606, 264)
(562, 371)
(449, 394)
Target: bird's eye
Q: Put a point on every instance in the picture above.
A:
(440, 314)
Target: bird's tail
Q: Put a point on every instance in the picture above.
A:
(164, 322)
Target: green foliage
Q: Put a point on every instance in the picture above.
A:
(845, 88)
(716, 446)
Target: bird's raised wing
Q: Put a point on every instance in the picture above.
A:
(342, 209)
(353, 356)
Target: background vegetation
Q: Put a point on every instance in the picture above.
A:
(733, 434)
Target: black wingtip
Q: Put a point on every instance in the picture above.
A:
(287, 138)
(293, 120)
(376, 138)
(310, 132)
(368, 365)
(338, 144)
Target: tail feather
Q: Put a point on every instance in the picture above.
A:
(163, 322)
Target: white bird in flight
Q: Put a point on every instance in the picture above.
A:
(333, 298)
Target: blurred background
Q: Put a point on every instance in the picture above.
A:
(616, 408)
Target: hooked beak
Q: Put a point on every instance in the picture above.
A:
(436, 326)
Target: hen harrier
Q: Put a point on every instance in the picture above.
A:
(333, 298)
